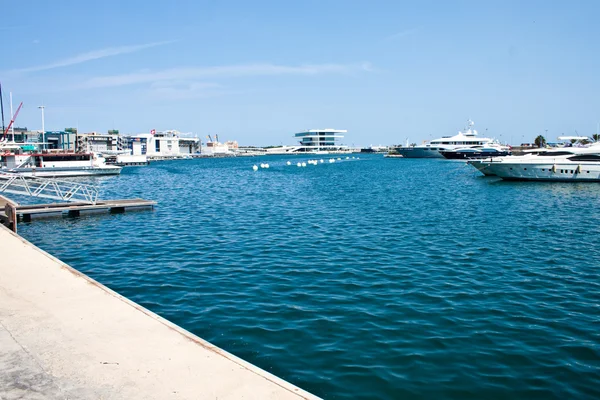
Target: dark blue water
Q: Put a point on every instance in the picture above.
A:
(369, 279)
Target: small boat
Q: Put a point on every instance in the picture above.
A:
(57, 164)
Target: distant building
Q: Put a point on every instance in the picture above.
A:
(189, 145)
(101, 142)
(216, 148)
(165, 144)
(321, 140)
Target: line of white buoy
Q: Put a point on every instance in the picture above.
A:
(304, 164)
(262, 165)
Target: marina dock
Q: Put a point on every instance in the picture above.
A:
(64, 335)
(11, 212)
(27, 212)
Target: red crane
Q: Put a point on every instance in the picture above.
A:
(12, 121)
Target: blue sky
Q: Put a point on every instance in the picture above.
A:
(257, 72)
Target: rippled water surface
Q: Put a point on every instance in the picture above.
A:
(363, 279)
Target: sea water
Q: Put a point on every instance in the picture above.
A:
(366, 278)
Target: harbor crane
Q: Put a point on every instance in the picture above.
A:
(12, 121)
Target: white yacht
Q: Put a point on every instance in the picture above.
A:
(477, 152)
(465, 138)
(57, 164)
(558, 164)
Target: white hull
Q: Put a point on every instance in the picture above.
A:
(559, 171)
(66, 172)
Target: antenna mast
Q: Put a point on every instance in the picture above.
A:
(2, 106)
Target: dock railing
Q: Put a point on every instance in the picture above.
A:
(48, 188)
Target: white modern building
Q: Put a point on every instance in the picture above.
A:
(167, 144)
(321, 141)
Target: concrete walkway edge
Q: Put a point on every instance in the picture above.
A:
(43, 302)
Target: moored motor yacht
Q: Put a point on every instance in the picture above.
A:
(476, 152)
(560, 164)
(465, 138)
(57, 164)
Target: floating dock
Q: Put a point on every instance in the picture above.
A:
(64, 335)
(27, 212)
(11, 212)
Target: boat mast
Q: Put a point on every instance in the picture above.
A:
(12, 128)
(2, 106)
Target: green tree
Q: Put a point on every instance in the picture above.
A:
(540, 141)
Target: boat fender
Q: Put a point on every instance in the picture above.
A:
(554, 168)
(578, 170)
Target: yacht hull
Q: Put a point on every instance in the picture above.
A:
(419, 152)
(66, 172)
(457, 155)
(550, 172)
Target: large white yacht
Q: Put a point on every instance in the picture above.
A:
(465, 138)
(557, 164)
(56, 164)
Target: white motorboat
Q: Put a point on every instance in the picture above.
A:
(57, 164)
(560, 164)
(465, 138)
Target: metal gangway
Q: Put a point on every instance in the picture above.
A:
(48, 188)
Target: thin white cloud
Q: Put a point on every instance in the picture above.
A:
(93, 55)
(402, 34)
(175, 90)
(196, 73)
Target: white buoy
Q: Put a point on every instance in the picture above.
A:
(339, 159)
(347, 158)
(299, 164)
(321, 160)
(331, 160)
(304, 164)
(266, 165)
(262, 165)
(289, 163)
(255, 167)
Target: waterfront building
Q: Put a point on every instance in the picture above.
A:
(27, 140)
(315, 141)
(167, 144)
(101, 142)
(216, 148)
(61, 140)
(189, 145)
(321, 140)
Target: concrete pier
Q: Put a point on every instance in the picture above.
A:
(65, 336)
